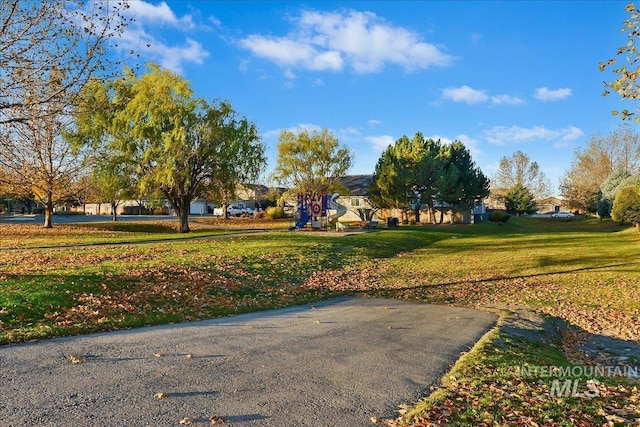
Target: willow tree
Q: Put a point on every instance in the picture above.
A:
(311, 161)
(178, 145)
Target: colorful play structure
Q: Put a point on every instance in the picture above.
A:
(318, 210)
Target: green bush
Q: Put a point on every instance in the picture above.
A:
(626, 206)
(499, 216)
(274, 213)
(496, 216)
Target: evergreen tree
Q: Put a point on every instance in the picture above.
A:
(407, 172)
(462, 183)
(520, 200)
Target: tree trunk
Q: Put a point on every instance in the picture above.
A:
(48, 211)
(114, 213)
(225, 206)
(417, 215)
(432, 214)
(184, 219)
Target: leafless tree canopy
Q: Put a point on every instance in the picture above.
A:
(519, 169)
(49, 50)
(55, 39)
(592, 165)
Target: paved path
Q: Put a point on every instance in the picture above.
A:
(337, 363)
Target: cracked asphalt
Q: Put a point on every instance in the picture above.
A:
(335, 363)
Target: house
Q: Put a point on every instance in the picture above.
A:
(200, 207)
(125, 207)
(251, 194)
(551, 205)
(358, 203)
(359, 207)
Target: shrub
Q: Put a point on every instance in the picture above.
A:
(274, 213)
(496, 216)
(626, 206)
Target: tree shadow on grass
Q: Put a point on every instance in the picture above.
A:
(506, 277)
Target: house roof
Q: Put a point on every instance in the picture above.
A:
(551, 201)
(358, 185)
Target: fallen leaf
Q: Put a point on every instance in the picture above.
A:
(159, 355)
(215, 420)
(75, 359)
(189, 356)
(186, 421)
(161, 395)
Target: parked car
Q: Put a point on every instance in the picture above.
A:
(236, 209)
(562, 215)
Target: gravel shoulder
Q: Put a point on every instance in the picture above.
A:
(336, 363)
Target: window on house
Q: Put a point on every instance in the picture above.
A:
(355, 202)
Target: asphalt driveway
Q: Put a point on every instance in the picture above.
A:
(337, 363)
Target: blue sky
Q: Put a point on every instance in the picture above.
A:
(499, 76)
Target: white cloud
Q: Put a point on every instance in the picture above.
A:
(380, 143)
(333, 41)
(501, 135)
(160, 13)
(507, 100)
(347, 134)
(309, 127)
(471, 96)
(274, 134)
(215, 21)
(469, 142)
(143, 36)
(545, 94)
(374, 122)
(464, 94)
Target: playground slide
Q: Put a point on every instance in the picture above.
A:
(340, 209)
(304, 218)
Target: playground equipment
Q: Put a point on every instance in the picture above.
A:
(315, 207)
(340, 210)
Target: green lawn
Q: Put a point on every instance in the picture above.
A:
(581, 275)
